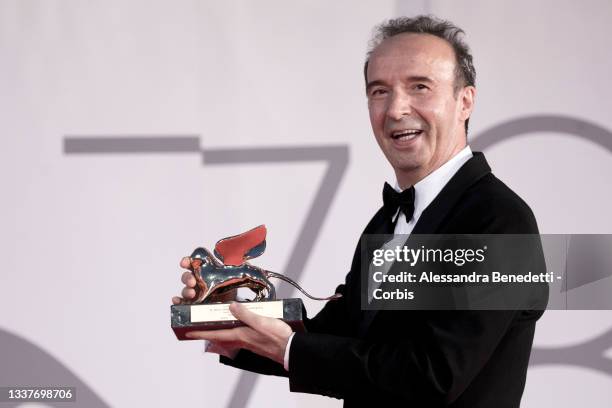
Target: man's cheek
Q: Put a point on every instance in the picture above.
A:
(378, 127)
(376, 119)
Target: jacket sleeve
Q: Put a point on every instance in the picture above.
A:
(438, 369)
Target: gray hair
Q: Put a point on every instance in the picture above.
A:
(465, 73)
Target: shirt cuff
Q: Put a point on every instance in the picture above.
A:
(286, 358)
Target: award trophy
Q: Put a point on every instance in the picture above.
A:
(225, 271)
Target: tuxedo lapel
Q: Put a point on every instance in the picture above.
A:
(440, 208)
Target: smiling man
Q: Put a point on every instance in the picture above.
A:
(420, 85)
(418, 101)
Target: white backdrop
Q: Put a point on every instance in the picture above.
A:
(91, 240)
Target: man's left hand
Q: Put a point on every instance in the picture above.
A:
(262, 335)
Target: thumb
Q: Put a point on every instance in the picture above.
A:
(243, 314)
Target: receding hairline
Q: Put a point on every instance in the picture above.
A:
(411, 34)
(449, 46)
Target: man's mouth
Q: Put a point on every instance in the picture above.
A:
(405, 135)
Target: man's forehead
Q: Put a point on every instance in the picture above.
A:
(415, 42)
(413, 49)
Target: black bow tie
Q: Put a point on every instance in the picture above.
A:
(393, 200)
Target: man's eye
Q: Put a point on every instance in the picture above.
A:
(421, 87)
(378, 92)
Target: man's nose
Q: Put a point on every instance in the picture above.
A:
(399, 106)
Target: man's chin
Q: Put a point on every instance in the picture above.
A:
(406, 166)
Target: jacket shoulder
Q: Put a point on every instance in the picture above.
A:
(490, 206)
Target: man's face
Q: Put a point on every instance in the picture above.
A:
(416, 115)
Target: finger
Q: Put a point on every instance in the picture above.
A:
(232, 336)
(177, 300)
(185, 262)
(188, 279)
(212, 335)
(188, 293)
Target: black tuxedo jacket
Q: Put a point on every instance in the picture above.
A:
(419, 358)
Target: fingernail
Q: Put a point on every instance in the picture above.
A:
(189, 335)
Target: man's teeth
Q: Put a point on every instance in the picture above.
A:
(406, 134)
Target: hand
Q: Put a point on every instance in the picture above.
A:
(189, 280)
(262, 335)
(189, 291)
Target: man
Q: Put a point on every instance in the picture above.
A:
(420, 89)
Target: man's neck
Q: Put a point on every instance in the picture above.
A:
(407, 179)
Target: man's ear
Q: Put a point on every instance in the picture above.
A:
(468, 97)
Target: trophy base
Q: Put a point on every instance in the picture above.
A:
(215, 316)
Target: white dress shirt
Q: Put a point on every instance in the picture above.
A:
(425, 191)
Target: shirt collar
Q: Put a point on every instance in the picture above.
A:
(426, 190)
